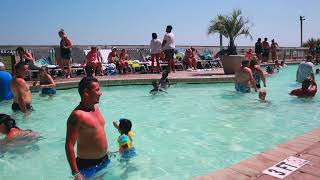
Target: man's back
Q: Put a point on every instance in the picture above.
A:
(170, 41)
(305, 70)
(242, 76)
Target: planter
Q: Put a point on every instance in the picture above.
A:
(231, 63)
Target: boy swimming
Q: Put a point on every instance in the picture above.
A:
(126, 148)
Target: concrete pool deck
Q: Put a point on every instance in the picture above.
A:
(306, 147)
(195, 77)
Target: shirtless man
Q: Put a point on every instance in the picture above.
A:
(20, 90)
(85, 127)
(244, 77)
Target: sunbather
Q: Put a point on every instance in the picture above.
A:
(113, 55)
(123, 61)
(93, 61)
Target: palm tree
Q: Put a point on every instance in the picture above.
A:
(310, 42)
(230, 26)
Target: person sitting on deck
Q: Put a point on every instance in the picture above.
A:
(46, 82)
(244, 78)
(123, 61)
(308, 89)
(189, 59)
(12, 132)
(113, 56)
(93, 61)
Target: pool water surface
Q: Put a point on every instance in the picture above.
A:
(193, 130)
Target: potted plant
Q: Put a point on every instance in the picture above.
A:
(230, 26)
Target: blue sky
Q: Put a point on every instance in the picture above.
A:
(36, 22)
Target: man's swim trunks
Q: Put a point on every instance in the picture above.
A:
(15, 107)
(242, 88)
(48, 91)
(84, 164)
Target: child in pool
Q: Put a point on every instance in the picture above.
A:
(262, 95)
(126, 148)
(156, 88)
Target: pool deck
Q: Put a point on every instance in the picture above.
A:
(193, 77)
(202, 76)
(306, 147)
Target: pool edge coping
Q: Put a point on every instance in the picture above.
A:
(305, 146)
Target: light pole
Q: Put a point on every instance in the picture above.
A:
(301, 22)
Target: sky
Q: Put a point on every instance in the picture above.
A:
(131, 22)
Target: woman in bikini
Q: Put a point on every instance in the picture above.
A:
(65, 52)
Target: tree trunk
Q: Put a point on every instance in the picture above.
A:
(232, 50)
(221, 45)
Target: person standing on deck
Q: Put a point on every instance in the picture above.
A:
(266, 50)
(168, 46)
(155, 46)
(65, 53)
(273, 48)
(258, 49)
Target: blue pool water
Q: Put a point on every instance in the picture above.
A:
(191, 131)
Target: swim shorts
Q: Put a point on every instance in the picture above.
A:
(242, 88)
(84, 164)
(48, 91)
(15, 107)
(169, 53)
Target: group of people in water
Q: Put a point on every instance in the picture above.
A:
(85, 125)
(250, 74)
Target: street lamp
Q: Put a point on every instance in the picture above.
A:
(301, 22)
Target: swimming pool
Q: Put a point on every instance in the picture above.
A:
(193, 130)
